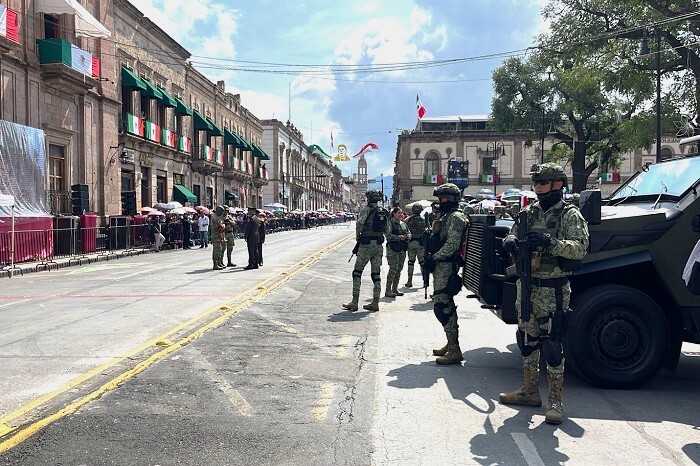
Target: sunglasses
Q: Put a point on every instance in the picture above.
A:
(543, 182)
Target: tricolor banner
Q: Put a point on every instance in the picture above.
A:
(168, 138)
(134, 125)
(185, 145)
(370, 146)
(81, 60)
(420, 108)
(152, 131)
(9, 24)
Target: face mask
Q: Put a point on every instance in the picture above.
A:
(447, 206)
(547, 200)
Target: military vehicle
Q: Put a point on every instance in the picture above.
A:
(631, 309)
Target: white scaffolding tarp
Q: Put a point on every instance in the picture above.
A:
(86, 25)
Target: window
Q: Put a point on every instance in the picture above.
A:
(57, 167)
(145, 186)
(197, 191)
(210, 198)
(177, 179)
(146, 107)
(487, 165)
(52, 27)
(127, 180)
(432, 163)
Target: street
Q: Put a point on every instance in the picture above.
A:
(158, 360)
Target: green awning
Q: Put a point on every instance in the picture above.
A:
(201, 123)
(234, 139)
(131, 80)
(215, 131)
(151, 90)
(182, 108)
(167, 100)
(229, 196)
(245, 144)
(259, 153)
(182, 194)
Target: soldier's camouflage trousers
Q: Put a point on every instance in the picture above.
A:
(229, 245)
(395, 261)
(534, 335)
(217, 253)
(444, 307)
(415, 250)
(371, 253)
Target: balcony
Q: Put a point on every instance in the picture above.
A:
(207, 160)
(260, 178)
(67, 67)
(59, 201)
(168, 138)
(237, 169)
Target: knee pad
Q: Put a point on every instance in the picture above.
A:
(553, 352)
(376, 277)
(356, 273)
(526, 350)
(439, 310)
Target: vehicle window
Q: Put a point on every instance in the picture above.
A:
(667, 178)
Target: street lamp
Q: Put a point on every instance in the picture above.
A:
(656, 33)
(498, 151)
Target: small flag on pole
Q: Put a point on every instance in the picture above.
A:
(420, 108)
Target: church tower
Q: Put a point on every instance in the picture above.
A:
(362, 174)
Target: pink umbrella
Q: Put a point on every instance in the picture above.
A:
(202, 210)
(155, 214)
(189, 210)
(148, 209)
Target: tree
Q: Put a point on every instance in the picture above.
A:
(598, 89)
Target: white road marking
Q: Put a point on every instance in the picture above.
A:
(527, 448)
(15, 302)
(222, 384)
(330, 278)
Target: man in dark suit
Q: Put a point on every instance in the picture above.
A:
(252, 238)
(261, 230)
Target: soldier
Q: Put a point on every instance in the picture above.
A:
(560, 235)
(230, 232)
(218, 238)
(252, 238)
(371, 227)
(416, 225)
(397, 245)
(444, 258)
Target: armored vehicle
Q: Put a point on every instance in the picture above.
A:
(631, 309)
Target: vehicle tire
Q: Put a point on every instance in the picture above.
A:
(617, 336)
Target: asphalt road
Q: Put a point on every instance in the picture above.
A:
(159, 360)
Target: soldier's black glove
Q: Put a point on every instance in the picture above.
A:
(534, 239)
(510, 244)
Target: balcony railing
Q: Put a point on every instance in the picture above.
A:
(59, 201)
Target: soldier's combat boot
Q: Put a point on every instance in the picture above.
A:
(527, 395)
(555, 407)
(389, 293)
(395, 288)
(453, 355)
(409, 283)
(373, 306)
(352, 305)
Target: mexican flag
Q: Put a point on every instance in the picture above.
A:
(168, 137)
(134, 125)
(9, 25)
(81, 60)
(152, 131)
(185, 144)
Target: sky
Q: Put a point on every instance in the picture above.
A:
(318, 41)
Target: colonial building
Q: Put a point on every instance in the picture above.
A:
(301, 180)
(496, 161)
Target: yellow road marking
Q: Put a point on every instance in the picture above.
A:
(289, 329)
(26, 432)
(222, 384)
(325, 398)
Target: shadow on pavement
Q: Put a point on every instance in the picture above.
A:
(349, 316)
(198, 271)
(427, 306)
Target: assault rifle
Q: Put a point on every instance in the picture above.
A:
(354, 250)
(523, 264)
(427, 259)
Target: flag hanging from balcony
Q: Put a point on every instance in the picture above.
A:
(81, 60)
(9, 26)
(420, 108)
(134, 125)
(370, 146)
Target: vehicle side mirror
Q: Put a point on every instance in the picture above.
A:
(590, 206)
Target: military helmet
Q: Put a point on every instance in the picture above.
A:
(220, 208)
(374, 195)
(416, 209)
(548, 172)
(448, 190)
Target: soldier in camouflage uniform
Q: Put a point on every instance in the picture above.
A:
(444, 245)
(218, 240)
(560, 235)
(416, 225)
(397, 245)
(371, 228)
(230, 232)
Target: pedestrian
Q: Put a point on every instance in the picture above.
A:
(397, 245)
(155, 233)
(252, 238)
(558, 237)
(218, 237)
(371, 228)
(230, 232)
(261, 231)
(444, 258)
(203, 225)
(416, 226)
(186, 231)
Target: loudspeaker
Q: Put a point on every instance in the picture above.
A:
(129, 203)
(80, 199)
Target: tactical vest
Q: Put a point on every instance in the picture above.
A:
(398, 228)
(438, 238)
(550, 222)
(370, 228)
(416, 225)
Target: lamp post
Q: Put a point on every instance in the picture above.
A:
(499, 150)
(542, 141)
(645, 51)
(381, 177)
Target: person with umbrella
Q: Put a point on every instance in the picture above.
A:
(154, 233)
(252, 238)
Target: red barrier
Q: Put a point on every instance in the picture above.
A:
(88, 233)
(33, 239)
